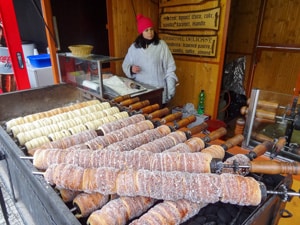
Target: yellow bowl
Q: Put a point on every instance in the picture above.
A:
(81, 50)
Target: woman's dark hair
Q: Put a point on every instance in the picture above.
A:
(141, 42)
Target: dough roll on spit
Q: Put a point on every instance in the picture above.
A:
(133, 142)
(109, 127)
(136, 159)
(60, 122)
(50, 113)
(216, 151)
(119, 211)
(195, 187)
(86, 203)
(118, 135)
(193, 144)
(169, 213)
(68, 141)
(164, 143)
(68, 195)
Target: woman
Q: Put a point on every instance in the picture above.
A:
(150, 61)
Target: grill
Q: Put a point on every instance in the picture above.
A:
(33, 194)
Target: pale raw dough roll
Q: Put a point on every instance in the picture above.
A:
(77, 129)
(14, 122)
(111, 111)
(22, 128)
(93, 125)
(36, 142)
(121, 115)
(50, 113)
(59, 135)
(68, 141)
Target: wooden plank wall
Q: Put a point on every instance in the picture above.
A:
(272, 46)
(122, 23)
(194, 73)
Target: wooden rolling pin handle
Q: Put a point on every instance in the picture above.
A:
(130, 101)
(237, 139)
(159, 113)
(149, 109)
(139, 105)
(263, 114)
(215, 134)
(171, 117)
(275, 167)
(260, 149)
(244, 110)
(263, 120)
(185, 121)
(280, 143)
(267, 104)
(260, 137)
(119, 99)
(197, 129)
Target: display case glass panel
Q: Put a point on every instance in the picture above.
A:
(272, 116)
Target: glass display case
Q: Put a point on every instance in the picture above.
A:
(86, 72)
(97, 74)
(275, 117)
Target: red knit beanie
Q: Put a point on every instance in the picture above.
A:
(143, 23)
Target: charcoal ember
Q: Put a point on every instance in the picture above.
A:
(200, 220)
(210, 209)
(196, 220)
(211, 223)
(193, 223)
(270, 181)
(243, 216)
(211, 218)
(223, 216)
(232, 209)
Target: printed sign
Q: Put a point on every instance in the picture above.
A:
(165, 3)
(206, 19)
(191, 44)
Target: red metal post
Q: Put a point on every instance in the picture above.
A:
(14, 44)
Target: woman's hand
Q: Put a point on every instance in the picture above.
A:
(135, 69)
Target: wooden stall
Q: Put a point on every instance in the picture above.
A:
(195, 70)
(267, 33)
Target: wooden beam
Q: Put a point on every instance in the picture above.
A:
(50, 33)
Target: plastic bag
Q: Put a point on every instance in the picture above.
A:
(234, 75)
